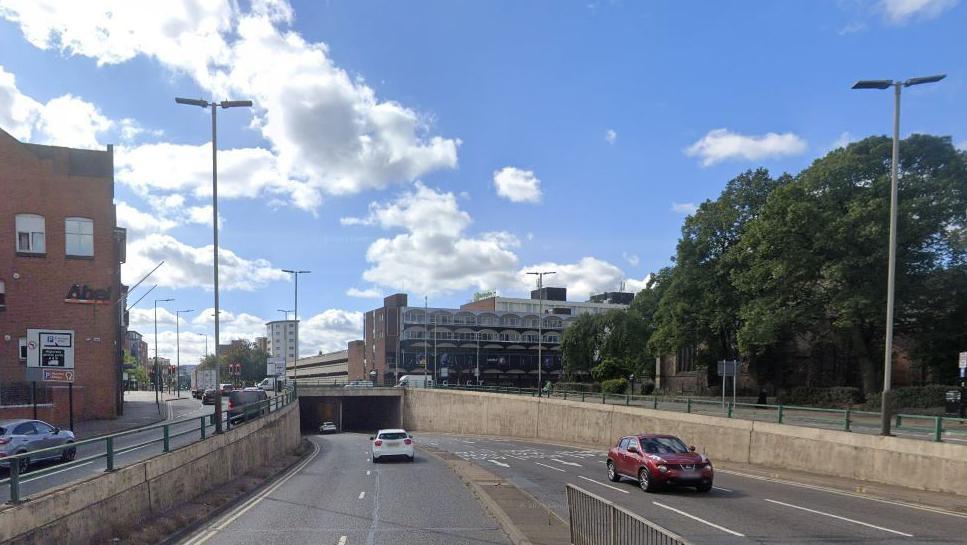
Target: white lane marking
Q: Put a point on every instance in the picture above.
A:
(550, 467)
(837, 517)
(362, 494)
(937, 510)
(367, 471)
(342, 540)
(501, 464)
(697, 519)
(722, 489)
(242, 509)
(602, 484)
(565, 463)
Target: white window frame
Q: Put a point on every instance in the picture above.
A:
(36, 240)
(3, 295)
(74, 239)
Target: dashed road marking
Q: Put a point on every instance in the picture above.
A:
(837, 517)
(550, 467)
(602, 484)
(368, 472)
(722, 489)
(501, 464)
(698, 519)
(362, 494)
(565, 463)
(342, 540)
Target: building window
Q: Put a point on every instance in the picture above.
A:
(3, 296)
(30, 234)
(79, 237)
(686, 359)
(23, 348)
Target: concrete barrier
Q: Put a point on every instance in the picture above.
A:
(92, 510)
(921, 465)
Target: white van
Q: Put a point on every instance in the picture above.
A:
(415, 381)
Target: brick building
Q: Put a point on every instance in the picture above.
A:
(60, 256)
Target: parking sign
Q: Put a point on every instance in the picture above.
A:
(50, 348)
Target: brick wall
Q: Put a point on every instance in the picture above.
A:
(45, 181)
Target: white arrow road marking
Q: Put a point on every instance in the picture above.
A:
(703, 521)
(501, 464)
(566, 463)
(837, 517)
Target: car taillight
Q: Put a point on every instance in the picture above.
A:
(378, 443)
(231, 405)
(407, 441)
(4, 440)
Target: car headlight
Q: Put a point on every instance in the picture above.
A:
(663, 468)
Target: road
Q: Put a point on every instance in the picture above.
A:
(339, 497)
(177, 410)
(739, 510)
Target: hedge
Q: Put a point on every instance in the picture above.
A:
(614, 386)
(914, 397)
(837, 397)
(589, 387)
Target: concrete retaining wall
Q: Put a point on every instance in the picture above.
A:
(91, 511)
(922, 465)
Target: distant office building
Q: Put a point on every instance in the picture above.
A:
(281, 336)
(262, 343)
(499, 336)
(135, 347)
(332, 367)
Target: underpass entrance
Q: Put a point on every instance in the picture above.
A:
(356, 413)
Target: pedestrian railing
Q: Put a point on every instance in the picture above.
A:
(597, 521)
(107, 448)
(935, 428)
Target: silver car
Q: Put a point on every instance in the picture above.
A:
(20, 436)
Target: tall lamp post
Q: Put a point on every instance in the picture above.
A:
(891, 267)
(157, 372)
(225, 104)
(540, 322)
(178, 314)
(206, 341)
(295, 315)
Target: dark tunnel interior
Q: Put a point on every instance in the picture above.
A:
(357, 414)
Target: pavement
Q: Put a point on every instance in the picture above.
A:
(140, 409)
(744, 507)
(338, 496)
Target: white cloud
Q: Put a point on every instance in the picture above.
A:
(329, 331)
(136, 221)
(721, 144)
(517, 185)
(369, 293)
(844, 140)
(18, 112)
(684, 207)
(901, 11)
(610, 136)
(632, 259)
(585, 278)
(433, 254)
(190, 266)
(962, 146)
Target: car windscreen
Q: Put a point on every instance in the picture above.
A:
(392, 435)
(663, 445)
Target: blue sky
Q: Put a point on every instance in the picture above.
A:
(445, 147)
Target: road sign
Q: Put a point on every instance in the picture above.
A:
(963, 360)
(50, 348)
(276, 364)
(58, 375)
(728, 368)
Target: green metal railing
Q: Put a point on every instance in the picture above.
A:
(935, 428)
(194, 426)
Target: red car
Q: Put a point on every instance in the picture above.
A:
(656, 461)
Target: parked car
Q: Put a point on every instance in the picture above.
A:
(656, 461)
(226, 389)
(26, 436)
(391, 443)
(415, 381)
(208, 397)
(238, 400)
(328, 427)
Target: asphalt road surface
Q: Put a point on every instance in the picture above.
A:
(338, 497)
(177, 410)
(739, 510)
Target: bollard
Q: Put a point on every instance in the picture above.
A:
(730, 409)
(627, 400)
(938, 429)
(167, 438)
(846, 423)
(604, 398)
(109, 446)
(582, 396)
(202, 422)
(688, 405)
(780, 414)
(899, 421)
(15, 481)
(655, 402)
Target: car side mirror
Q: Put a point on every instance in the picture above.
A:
(691, 449)
(632, 449)
(55, 431)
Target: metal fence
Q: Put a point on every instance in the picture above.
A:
(24, 393)
(108, 448)
(934, 428)
(597, 521)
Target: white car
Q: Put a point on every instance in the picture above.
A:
(388, 443)
(328, 427)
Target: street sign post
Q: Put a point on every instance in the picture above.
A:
(58, 375)
(728, 368)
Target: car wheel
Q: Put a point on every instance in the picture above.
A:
(704, 487)
(411, 458)
(644, 480)
(68, 454)
(613, 473)
(375, 460)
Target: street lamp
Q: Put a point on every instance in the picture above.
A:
(891, 270)
(225, 104)
(295, 314)
(540, 321)
(178, 314)
(206, 341)
(157, 374)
